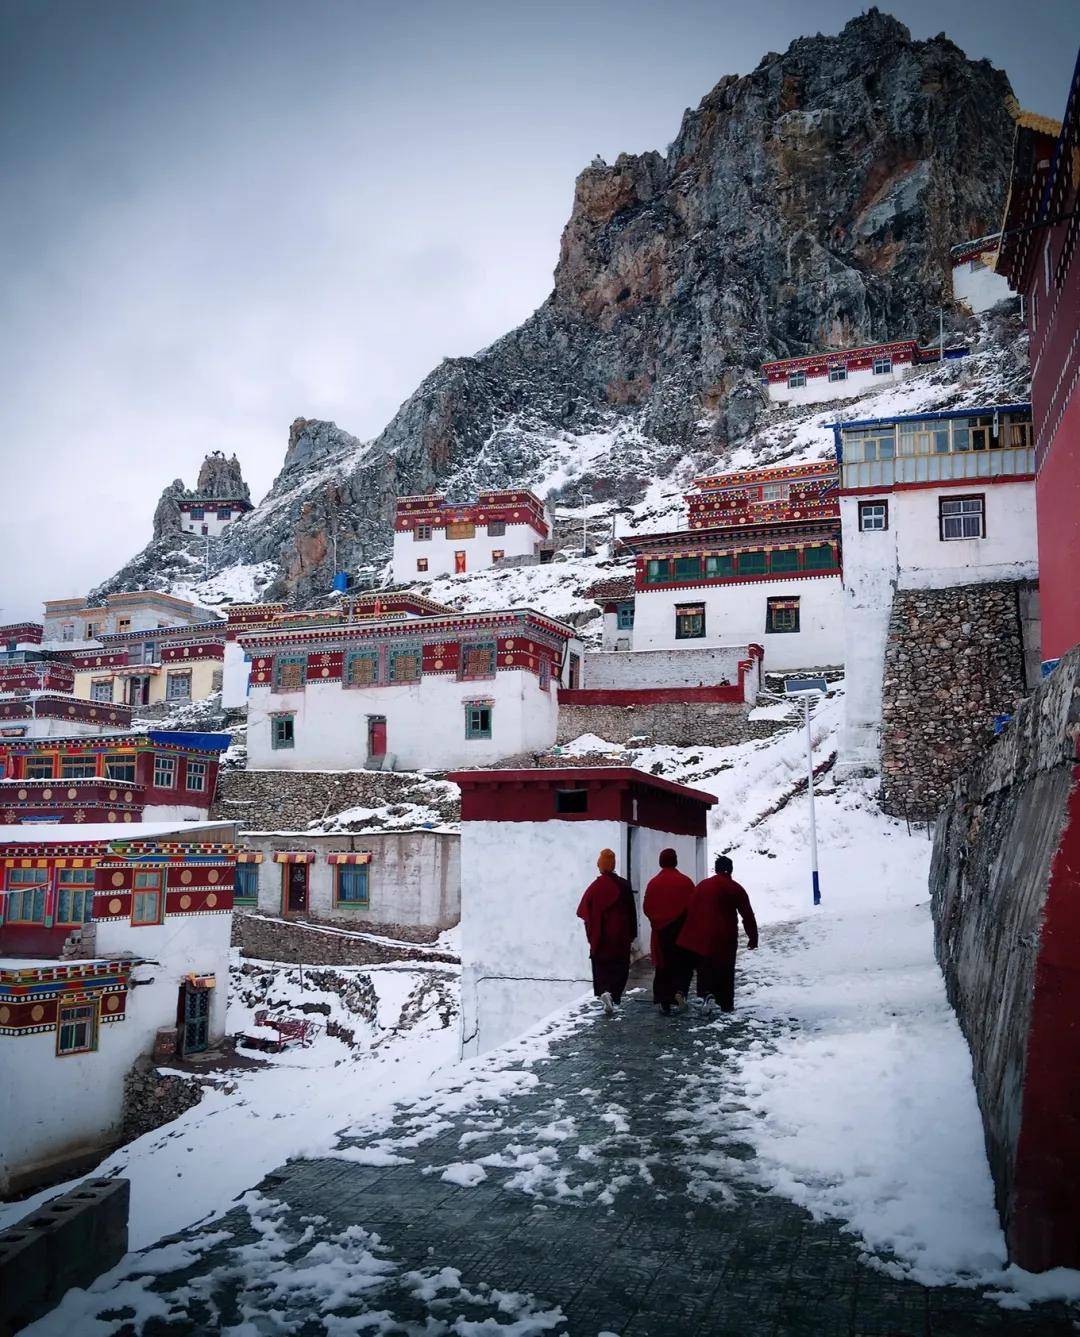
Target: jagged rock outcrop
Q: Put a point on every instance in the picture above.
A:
(167, 519)
(809, 203)
(221, 478)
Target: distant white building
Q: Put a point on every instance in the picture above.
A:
(925, 503)
(529, 843)
(105, 943)
(839, 373)
(211, 516)
(401, 691)
(434, 538)
(974, 280)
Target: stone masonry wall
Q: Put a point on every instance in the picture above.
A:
(953, 661)
(694, 724)
(269, 939)
(292, 800)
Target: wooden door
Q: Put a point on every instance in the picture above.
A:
(376, 735)
(195, 1030)
(296, 887)
(459, 561)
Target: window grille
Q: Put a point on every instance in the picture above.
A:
(405, 665)
(782, 615)
(477, 721)
(290, 673)
(76, 1030)
(178, 687)
(873, 515)
(962, 517)
(478, 661)
(689, 621)
(282, 732)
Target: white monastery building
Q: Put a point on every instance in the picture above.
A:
(975, 282)
(925, 503)
(211, 516)
(109, 949)
(392, 684)
(433, 537)
(759, 566)
(839, 373)
(529, 843)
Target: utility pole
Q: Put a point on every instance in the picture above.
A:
(815, 881)
(584, 523)
(941, 333)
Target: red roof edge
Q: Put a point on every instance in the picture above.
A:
(620, 775)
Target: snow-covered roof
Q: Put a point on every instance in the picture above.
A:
(58, 833)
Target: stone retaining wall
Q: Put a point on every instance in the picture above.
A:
(292, 800)
(152, 1098)
(1005, 894)
(673, 723)
(953, 661)
(269, 939)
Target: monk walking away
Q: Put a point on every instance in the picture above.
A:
(611, 926)
(666, 900)
(711, 933)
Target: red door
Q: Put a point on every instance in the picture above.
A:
(376, 736)
(296, 887)
(459, 561)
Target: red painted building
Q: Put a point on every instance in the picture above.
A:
(1039, 257)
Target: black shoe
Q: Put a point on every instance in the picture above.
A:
(665, 1008)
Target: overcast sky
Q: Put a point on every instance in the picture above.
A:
(218, 216)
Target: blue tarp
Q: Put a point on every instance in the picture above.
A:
(206, 742)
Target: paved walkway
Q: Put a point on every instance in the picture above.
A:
(594, 1211)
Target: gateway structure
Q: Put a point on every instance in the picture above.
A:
(403, 690)
(110, 949)
(529, 841)
(433, 537)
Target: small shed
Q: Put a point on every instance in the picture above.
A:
(529, 842)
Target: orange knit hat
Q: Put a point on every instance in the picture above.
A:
(606, 861)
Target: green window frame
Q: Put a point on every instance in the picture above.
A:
(246, 884)
(25, 902)
(624, 616)
(361, 669)
(352, 885)
(753, 563)
(657, 571)
(77, 1028)
(719, 565)
(783, 560)
(406, 663)
(75, 902)
(478, 720)
(687, 568)
(282, 732)
(819, 557)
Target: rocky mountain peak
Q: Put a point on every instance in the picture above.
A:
(221, 478)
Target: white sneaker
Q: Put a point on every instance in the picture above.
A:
(609, 1004)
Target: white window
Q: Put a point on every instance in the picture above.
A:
(883, 366)
(101, 689)
(838, 373)
(962, 517)
(775, 491)
(196, 776)
(796, 380)
(165, 772)
(146, 900)
(873, 516)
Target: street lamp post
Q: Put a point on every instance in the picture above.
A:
(808, 689)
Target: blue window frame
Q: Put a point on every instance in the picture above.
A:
(361, 669)
(624, 616)
(75, 903)
(406, 662)
(282, 731)
(246, 885)
(477, 721)
(198, 513)
(352, 884)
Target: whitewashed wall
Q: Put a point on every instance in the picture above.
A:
(819, 389)
(214, 526)
(708, 667)
(414, 877)
(979, 288)
(735, 614)
(45, 727)
(523, 950)
(518, 541)
(910, 554)
(425, 723)
(234, 677)
(614, 636)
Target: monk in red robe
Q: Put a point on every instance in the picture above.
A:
(666, 899)
(711, 932)
(611, 926)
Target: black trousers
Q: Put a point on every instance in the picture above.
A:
(610, 976)
(675, 974)
(716, 976)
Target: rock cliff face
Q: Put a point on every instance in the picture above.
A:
(808, 204)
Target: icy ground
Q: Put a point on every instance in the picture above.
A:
(842, 1085)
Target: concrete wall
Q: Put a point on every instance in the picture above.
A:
(414, 877)
(425, 722)
(523, 949)
(706, 667)
(518, 541)
(1005, 886)
(736, 614)
(695, 724)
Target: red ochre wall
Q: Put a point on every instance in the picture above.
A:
(1005, 889)
(1057, 501)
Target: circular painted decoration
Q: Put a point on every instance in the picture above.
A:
(211, 900)
(261, 677)
(112, 816)
(128, 796)
(46, 793)
(185, 902)
(510, 643)
(114, 905)
(508, 659)
(438, 663)
(112, 1003)
(22, 793)
(326, 673)
(185, 876)
(37, 1012)
(93, 711)
(112, 793)
(127, 816)
(72, 793)
(117, 880)
(5, 1015)
(213, 875)
(97, 660)
(71, 710)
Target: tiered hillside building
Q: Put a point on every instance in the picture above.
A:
(433, 537)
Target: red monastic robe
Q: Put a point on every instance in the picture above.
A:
(610, 917)
(666, 899)
(712, 919)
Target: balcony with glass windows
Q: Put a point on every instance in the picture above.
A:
(936, 450)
